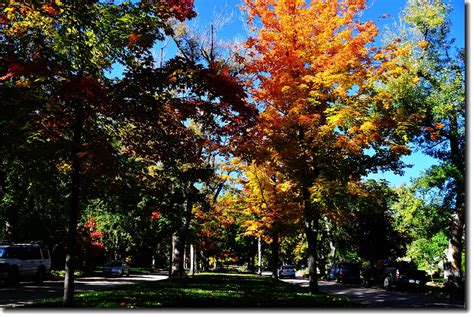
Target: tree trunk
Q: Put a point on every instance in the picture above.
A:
(179, 242)
(259, 250)
(74, 212)
(177, 255)
(192, 258)
(311, 237)
(205, 262)
(275, 255)
(252, 259)
(311, 231)
(455, 246)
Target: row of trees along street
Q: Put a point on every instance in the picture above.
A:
(223, 148)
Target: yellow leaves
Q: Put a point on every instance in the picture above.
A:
(379, 56)
(368, 127)
(422, 44)
(224, 177)
(64, 168)
(152, 170)
(9, 12)
(23, 83)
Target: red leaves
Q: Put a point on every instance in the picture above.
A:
(22, 68)
(182, 9)
(140, 39)
(155, 214)
(83, 87)
(90, 239)
(3, 19)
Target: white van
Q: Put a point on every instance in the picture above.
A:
(24, 261)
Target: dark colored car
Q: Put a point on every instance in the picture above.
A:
(116, 268)
(345, 272)
(393, 274)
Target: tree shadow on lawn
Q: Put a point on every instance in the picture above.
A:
(208, 291)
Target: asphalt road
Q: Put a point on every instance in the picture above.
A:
(371, 297)
(374, 297)
(28, 292)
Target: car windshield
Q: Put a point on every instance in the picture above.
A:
(350, 266)
(3, 252)
(404, 265)
(115, 263)
(287, 267)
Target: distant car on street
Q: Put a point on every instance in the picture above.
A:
(286, 271)
(116, 268)
(392, 274)
(345, 272)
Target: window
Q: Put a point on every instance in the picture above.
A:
(33, 253)
(45, 253)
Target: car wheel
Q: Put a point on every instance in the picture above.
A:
(40, 275)
(387, 283)
(365, 283)
(13, 277)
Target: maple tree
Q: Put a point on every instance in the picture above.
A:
(90, 243)
(185, 111)
(57, 52)
(323, 107)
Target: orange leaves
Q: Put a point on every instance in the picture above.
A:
(423, 44)
(308, 49)
(434, 132)
(142, 40)
(51, 8)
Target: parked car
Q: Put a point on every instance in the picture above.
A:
(24, 261)
(286, 271)
(345, 272)
(392, 274)
(116, 268)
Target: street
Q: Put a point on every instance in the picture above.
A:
(375, 297)
(372, 297)
(27, 292)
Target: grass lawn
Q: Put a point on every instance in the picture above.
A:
(206, 290)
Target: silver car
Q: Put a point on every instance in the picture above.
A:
(24, 261)
(286, 271)
(116, 268)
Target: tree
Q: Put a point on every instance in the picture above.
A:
(58, 52)
(319, 84)
(271, 207)
(440, 99)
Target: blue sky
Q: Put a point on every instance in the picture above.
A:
(235, 29)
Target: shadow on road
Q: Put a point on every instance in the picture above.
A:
(377, 297)
(28, 292)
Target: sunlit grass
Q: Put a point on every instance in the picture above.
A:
(206, 290)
